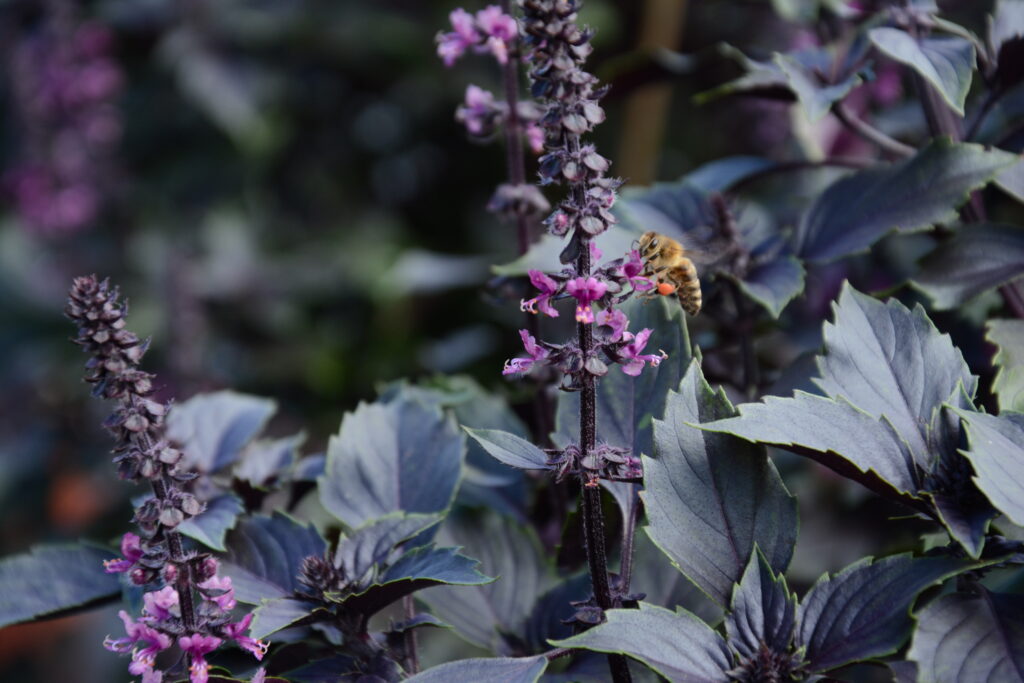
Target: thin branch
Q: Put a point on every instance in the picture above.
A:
(411, 654)
(869, 132)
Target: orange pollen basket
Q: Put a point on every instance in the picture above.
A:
(666, 288)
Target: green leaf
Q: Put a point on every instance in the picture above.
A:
(970, 637)
(1008, 385)
(510, 449)
(762, 612)
(214, 428)
(53, 580)
(486, 615)
(278, 613)
(947, 62)
(213, 523)
(976, 259)
(774, 284)
(863, 612)
(504, 669)
(997, 454)
(402, 456)
(677, 645)
(856, 211)
(265, 554)
(711, 497)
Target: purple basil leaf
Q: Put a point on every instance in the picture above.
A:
(997, 453)
(663, 585)
(863, 612)
(763, 611)
(677, 645)
(210, 526)
(399, 456)
(278, 613)
(513, 450)
(856, 211)
(711, 497)
(214, 428)
(773, 284)
(375, 543)
(946, 62)
(1008, 384)
(1006, 41)
(483, 614)
(903, 672)
(816, 98)
(54, 580)
(504, 669)
(721, 174)
(970, 637)
(978, 258)
(265, 554)
(551, 610)
(415, 570)
(268, 459)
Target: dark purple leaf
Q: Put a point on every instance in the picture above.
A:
(214, 428)
(265, 554)
(763, 611)
(978, 258)
(503, 669)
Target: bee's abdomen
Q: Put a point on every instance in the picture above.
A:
(689, 287)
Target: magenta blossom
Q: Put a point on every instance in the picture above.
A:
(451, 46)
(585, 291)
(535, 351)
(548, 287)
(631, 353)
(595, 252)
(631, 270)
(160, 605)
(535, 137)
(235, 632)
(131, 548)
(500, 28)
(143, 659)
(614, 319)
(479, 110)
(198, 646)
(218, 589)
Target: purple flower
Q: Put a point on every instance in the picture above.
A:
(631, 270)
(260, 676)
(535, 351)
(223, 593)
(585, 291)
(198, 646)
(160, 605)
(614, 319)
(595, 252)
(131, 548)
(548, 287)
(451, 46)
(478, 112)
(535, 137)
(235, 632)
(500, 28)
(143, 659)
(631, 353)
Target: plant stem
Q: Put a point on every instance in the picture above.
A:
(411, 654)
(593, 516)
(870, 133)
(177, 552)
(514, 140)
(743, 324)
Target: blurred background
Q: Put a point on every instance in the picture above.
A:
(282, 192)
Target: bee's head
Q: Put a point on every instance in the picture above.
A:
(649, 240)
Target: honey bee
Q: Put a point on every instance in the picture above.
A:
(669, 263)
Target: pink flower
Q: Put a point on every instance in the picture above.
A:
(143, 659)
(585, 291)
(499, 49)
(496, 23)
(614, 319)
(631, 352)
(451, 46)
(595, 253)
(131, 548)
(631, 270)
(479, 110)
(198, 646)
(218, 589)
(535, 137)
(535, 352)
(235, 632)
(548, 287)
(160, 605)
